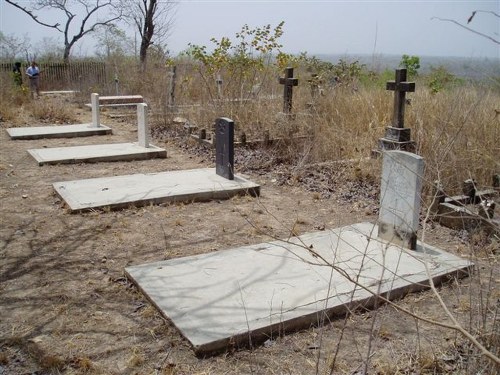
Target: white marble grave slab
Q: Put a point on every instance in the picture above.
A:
(153, 188)
(58, 131)
(224, 298)
(96, 153)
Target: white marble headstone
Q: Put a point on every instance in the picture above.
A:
(400, 197)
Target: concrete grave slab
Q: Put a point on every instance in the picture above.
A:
(58, 131)
(105, 152)
(96, 153)
(141, 189)
(59, 92)
(226, 298)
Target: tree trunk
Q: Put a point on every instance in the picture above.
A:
(67, 50)
(147, 32)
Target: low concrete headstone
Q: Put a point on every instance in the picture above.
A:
(143, 125)
(400, 197)
(96, 116)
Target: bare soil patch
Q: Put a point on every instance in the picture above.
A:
(66, 307)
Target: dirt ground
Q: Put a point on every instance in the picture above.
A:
(66, 307)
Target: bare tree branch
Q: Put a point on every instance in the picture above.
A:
(35, 18)
(91, 8)
(468, 28)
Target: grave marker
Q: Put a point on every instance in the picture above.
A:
(288, 81)
(314, 83)
(218, 82)
(143, 124)
(224, 147)
(94, 100)
(397, 137)
(400, 87)
(171, 96)
(400, 196)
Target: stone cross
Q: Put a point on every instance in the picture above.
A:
(400, 198)
(94, 100)
(142, 124)
(224, 147)
(401, 87)
(289, 82)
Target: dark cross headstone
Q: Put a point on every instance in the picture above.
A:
(289, 82)
(224, 147)
(400, 87)
(397, 137)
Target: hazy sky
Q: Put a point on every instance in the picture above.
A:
(345, 27)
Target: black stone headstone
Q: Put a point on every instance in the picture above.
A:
(224, 147)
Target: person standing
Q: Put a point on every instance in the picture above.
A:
(33, 74)
(17, 75)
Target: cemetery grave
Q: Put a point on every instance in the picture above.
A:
(288, 83)
(173, 186)
(286, 119)
(119, 102)
(397, 137)
(247, 295)
(64, 131)
(105, 152)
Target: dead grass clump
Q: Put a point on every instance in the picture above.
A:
(51, 363)
(12, 98)
(137, 357)
(84, 364)
(52, 112)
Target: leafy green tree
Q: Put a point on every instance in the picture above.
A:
(242, 60)
(440, 79)
(412, 64)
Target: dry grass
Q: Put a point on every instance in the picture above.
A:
(53, 112)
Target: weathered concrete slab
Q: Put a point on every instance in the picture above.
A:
(60, 92)
(141, 189)
(58, 131)
(121, 99)
(223, 299)
(96, 153)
